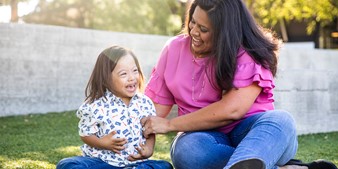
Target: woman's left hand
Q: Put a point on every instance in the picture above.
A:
(155, 125)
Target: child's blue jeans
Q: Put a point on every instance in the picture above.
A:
(269, 136)
(81, 162)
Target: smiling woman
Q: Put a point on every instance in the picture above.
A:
(220, 73)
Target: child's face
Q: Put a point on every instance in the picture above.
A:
(125, 78)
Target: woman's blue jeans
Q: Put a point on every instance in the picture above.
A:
(269, 136)
(81, 162)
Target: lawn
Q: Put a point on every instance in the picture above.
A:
(41, 140)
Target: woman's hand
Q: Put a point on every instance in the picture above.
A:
(144, 152)
(155, 125)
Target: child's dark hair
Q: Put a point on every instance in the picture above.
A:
(100, 79)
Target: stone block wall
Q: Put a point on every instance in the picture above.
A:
(45, 69)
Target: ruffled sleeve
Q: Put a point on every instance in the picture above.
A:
(249, 72)
(156, 88)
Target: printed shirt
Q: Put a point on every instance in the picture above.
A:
(179, 78)
(109, 114)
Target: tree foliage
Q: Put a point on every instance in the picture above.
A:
(144, 16)
(270, 12)
(165, 17)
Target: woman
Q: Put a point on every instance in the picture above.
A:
(219, 73)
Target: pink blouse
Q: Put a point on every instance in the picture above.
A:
(179, 78)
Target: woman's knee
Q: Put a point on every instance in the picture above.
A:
(282, 119)
(195, 143)
(203, 149)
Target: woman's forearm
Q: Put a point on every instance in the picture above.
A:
(233, 106)
(207, 118)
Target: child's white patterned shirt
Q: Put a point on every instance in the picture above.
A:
(108, 114)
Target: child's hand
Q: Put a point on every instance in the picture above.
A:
(111, 142)
(144, 152)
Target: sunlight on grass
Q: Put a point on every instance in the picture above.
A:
(34, 155)
(161, 156)
(41, 141)
(335, 161)
(26, 163)
(162, 146)
(69, 150)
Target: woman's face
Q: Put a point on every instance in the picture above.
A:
(201, 33)
(125, 78)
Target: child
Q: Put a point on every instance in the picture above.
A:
(110, 117)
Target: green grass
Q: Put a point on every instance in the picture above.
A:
(41, 140)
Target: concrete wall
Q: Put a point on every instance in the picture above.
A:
(46, 68)
(307, 86)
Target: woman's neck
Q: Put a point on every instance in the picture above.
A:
(200, 54)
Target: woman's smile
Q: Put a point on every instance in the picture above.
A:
(200, 32)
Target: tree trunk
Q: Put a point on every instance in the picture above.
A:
(317, 37)
(14, 11)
